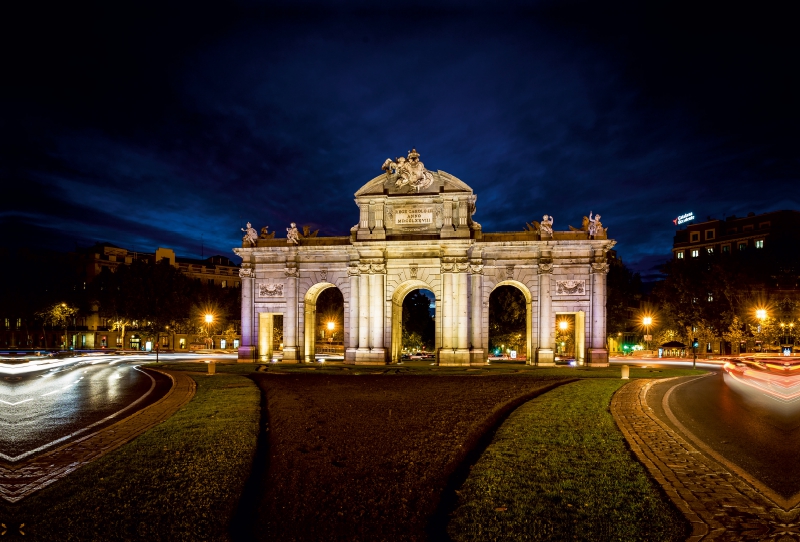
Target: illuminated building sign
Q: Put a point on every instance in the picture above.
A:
(687, 217)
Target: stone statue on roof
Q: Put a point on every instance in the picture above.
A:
(292, 234)
(410, 171)
(250, 235)
(546, 226)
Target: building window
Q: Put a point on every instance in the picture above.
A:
(695, 235)
(710, 250)
(236, 284)
(222, 343)
(104, 341)
(732, 230)
(759, 244)
(747, 228)
(709, 234)
(764, 225)
(726, 249)
(8, 324)
(710, 297)
(679, 254)
(211, 282)
(695, 253)
(236, 343)
(743, 245)
(182, 343)
(223, 283)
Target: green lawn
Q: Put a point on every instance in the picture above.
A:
(179, 481)
(559, 469)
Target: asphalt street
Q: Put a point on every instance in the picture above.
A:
(754, 431)
(44, 408)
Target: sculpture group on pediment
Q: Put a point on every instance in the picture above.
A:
(250, 235)
(292, 234)
(595, 226)
(410, 171)
(265, 234)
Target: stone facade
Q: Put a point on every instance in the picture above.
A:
(423, 236)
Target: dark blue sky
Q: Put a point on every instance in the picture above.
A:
(167, 124)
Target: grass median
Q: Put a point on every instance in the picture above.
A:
(181, 480)
(559, 469)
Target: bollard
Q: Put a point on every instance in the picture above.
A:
(212, 368)
(625, 372)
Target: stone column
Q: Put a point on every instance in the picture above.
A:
(246, 345)
(544, 354)
(462, 313)
(353, 320)
(266, 326)
(376, 310)
(449, 292)
(290, 353)
(598, 353)
(363, 313)
(476, 309)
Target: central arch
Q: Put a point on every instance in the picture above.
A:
(529, 355)
(398, 296)
(310, 318)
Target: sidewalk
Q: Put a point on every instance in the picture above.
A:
(719, 504)
(20, 480)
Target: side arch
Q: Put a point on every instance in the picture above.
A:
(529, 355)
(398, 296)
(310, 318)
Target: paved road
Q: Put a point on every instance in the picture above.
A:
(42, 408)
(754, 431)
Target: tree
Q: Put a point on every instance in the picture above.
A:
(508, 314)
(735, 334)
(418, 324)
(624, 290)
(57, 315)
(767, 331)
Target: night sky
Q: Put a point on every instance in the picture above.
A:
(168, 124)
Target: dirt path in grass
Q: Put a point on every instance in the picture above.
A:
(367, 457)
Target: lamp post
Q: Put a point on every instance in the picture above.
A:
(331, 327)
(761, 315)
(647, 321)
(209, 318)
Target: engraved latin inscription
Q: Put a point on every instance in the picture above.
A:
(409, 216)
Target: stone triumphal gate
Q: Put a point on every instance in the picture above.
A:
(416, 231)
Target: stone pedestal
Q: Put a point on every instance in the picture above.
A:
(291, 354)
(545, 357)
(598, 357)
(450, 356)
(246, 354)
(370, 356)
(477, 357)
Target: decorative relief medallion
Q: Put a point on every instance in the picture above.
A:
(246, 272)
(599, 268)
(545, 268)
(270, 290)
(413, 270)
(291, 272)
(509, 272)
(570, 287)
(323, 275)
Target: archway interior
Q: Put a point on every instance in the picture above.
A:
(324, 322)
(270, 335)
(509, 323)
(398, 301)
(418, 322)
(565, 337)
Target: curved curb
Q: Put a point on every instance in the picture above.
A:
(717, 503)
(21, 480)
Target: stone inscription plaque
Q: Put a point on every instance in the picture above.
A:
(413, 216)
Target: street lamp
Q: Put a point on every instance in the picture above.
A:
(209, 320)
(647, 321)
(331, 327)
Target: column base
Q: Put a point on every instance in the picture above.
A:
(350, 355)
(450, 356)
(477, 357)
(370, 356)
(290, 355)
(545, 357)
(246, 354)
(597, 357)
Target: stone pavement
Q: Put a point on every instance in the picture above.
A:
(719, 504)
(20, 480)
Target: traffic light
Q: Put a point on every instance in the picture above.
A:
(695, 343)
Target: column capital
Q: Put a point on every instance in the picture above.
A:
(545, 268)
(353, 270)
(247, 272)
(599, 267)
(291, 272)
